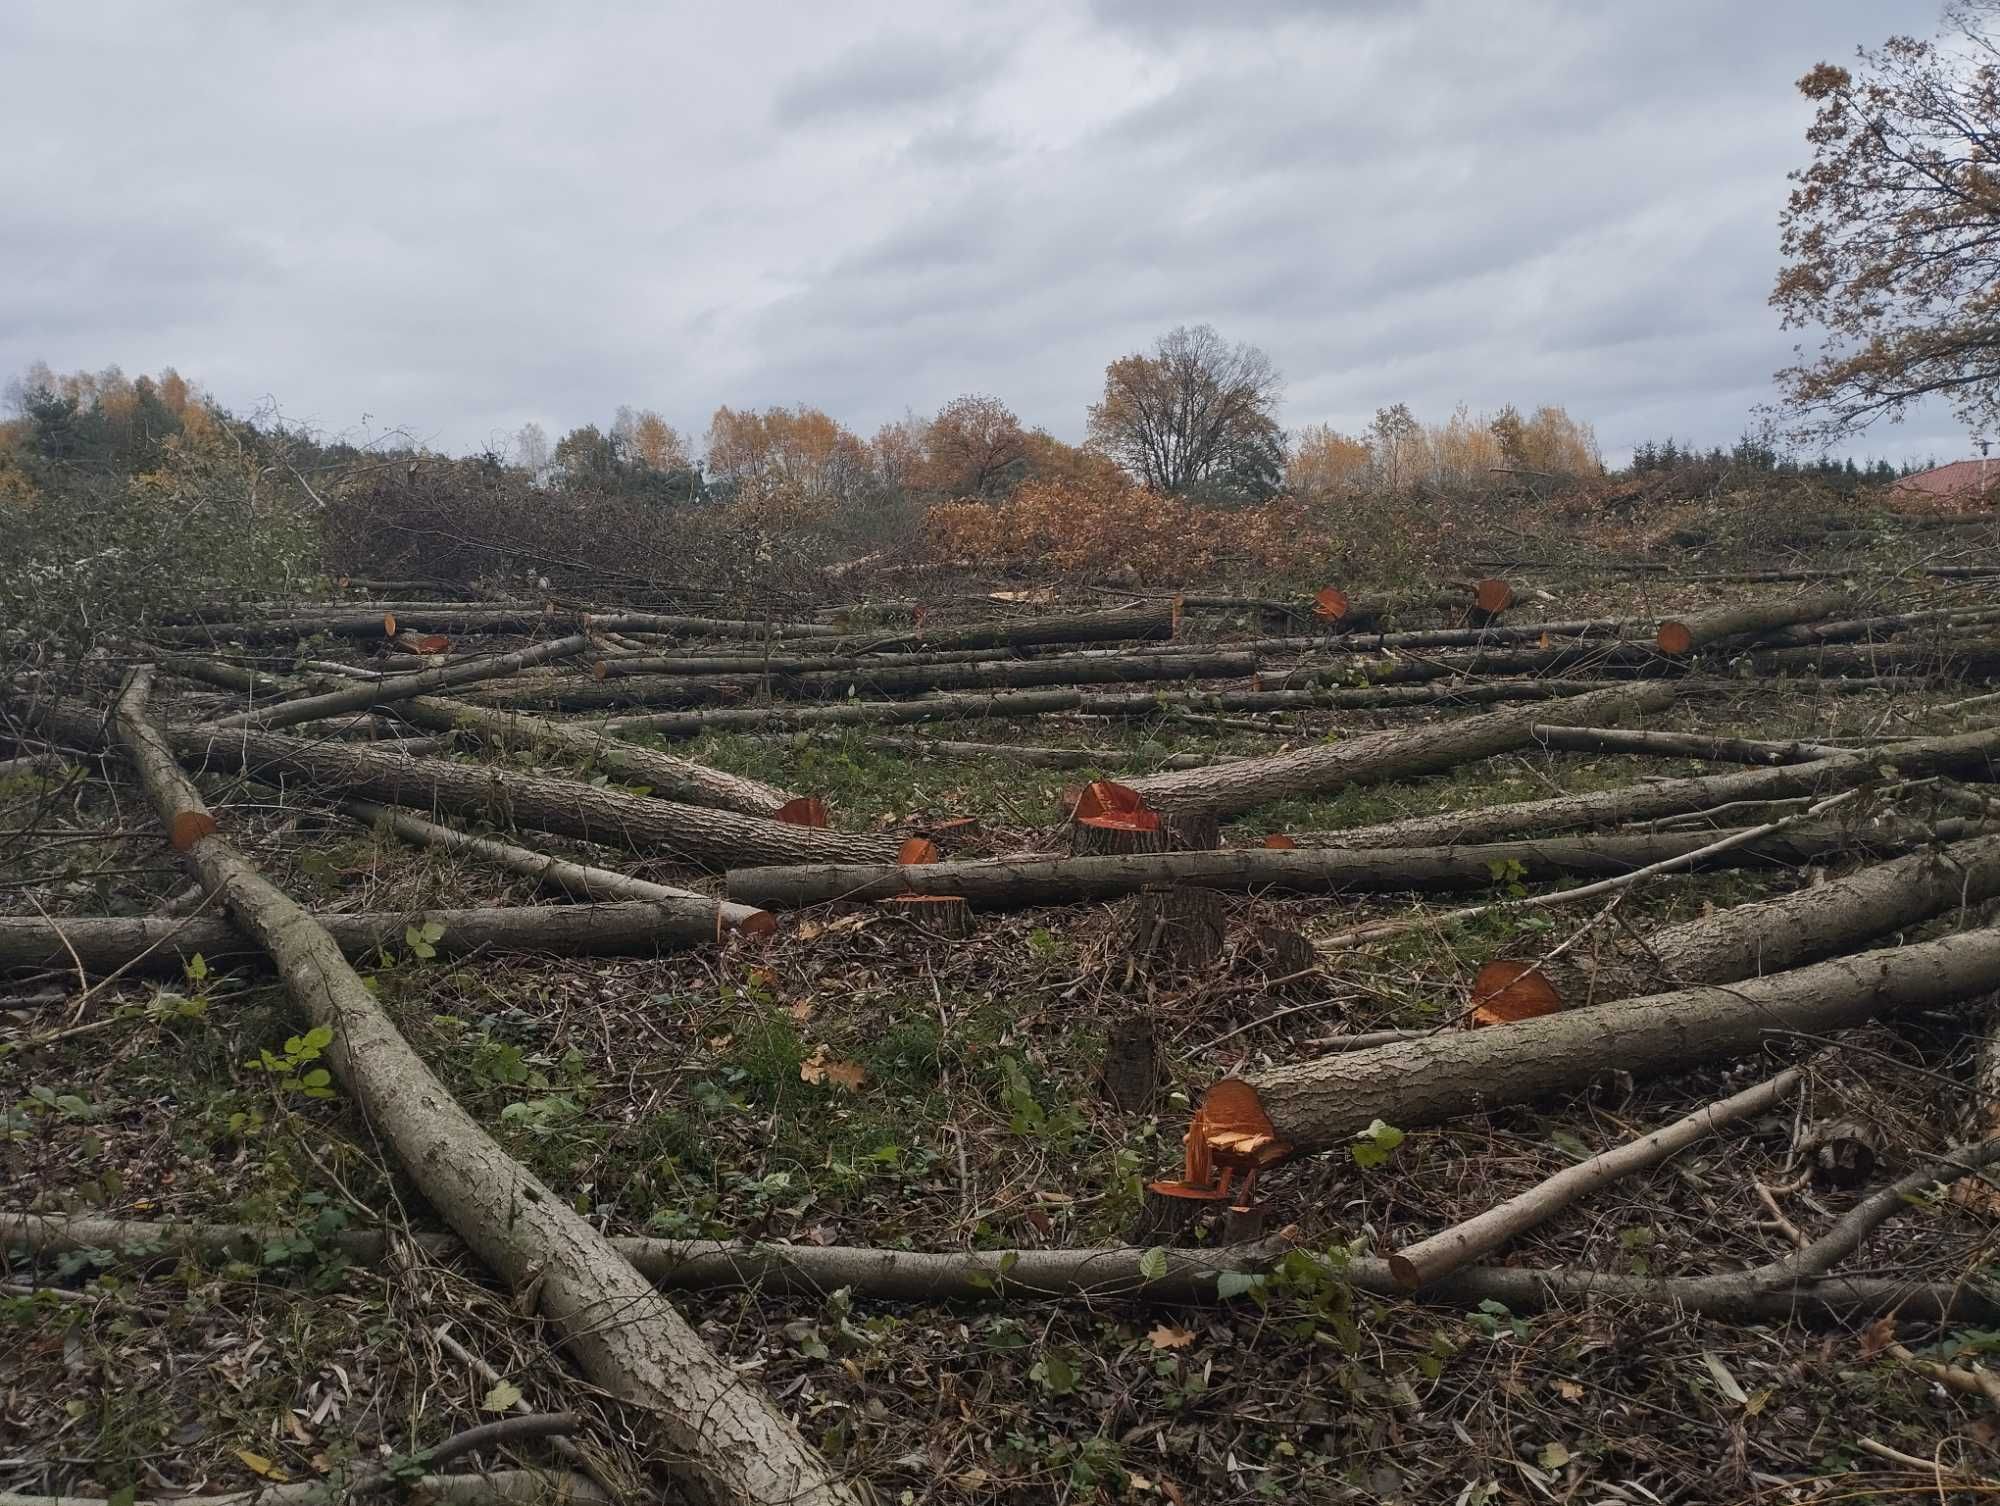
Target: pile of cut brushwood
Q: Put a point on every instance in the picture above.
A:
(451, 725)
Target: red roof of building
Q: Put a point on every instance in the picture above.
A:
(1961, 481)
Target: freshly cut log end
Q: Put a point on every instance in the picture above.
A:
(1177, 930)
(422, 644)
(945, 915)
(600, 671)
(1175, 621)
(756, 923)
(1331, 604)
(1491, 597)
(1230, 1139)
(1106, 798)
(1403, 1271)
(189, 827)
(917, 850)
(1277, 841)
(1505, 991)
(388, 624)
(1676, 638)
(804, 810)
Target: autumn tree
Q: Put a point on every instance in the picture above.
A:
(648, 439)
(1197, 415)
(1323, 463)
(1052, 459)
(1891, 235)
(975, 447)
(794, 461)
(1548, 442)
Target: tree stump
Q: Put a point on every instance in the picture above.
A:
(945, 915)
(1177, 929)
(1281, 952)
(1090, 839)
(1130, 1073)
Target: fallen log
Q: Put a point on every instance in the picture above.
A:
(1003, 882)
(1431, 1260)
(1796, 1287)
(401, 687)
(700, 627)
(486, 1487)
(986, 674)
(364, 624)
(665, 775)
(1948, 657)
(1680, 745)
(579, 880)
(1132, 707)
(1127, 624)
(1321, 1104)
(1974, 755)
(724, 1436)
(1945, 620)
(694, 834)
(1243, 783)
(105, 943)
(1681, 636)
(1044, 758)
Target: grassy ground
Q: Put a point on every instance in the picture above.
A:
(673, 1096)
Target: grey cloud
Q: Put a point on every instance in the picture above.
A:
(879, 78)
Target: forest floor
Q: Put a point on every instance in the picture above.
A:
(957, 1105)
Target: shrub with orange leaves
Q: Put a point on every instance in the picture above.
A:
(1111, 526)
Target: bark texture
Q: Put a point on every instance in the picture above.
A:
(1225, 789)
(1681, 636)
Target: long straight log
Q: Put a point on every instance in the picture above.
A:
(1127, 707)
(400, 688)
(1041, 758)
(361, 623)
(1798, 1286)
(726, 1438)
(1681, 636)
(1401, 754)
(1001, 882)
(1680, 745)
(991, 674)
(1128, 624)
(639, 823)
(1888, 625)
(702, 627)
(579, 880)
(1317, 1105)
(1974, 755)
(103, 943)
(1946, 658)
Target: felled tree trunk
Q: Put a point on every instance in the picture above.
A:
(1225, 789)
(1126, 624)
(103, 943)
(1320, 1104)
(728, 1439)
(1681, 636)
(1001, 882)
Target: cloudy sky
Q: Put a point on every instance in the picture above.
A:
(452, 218)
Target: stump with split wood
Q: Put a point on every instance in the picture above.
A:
(1176, 929)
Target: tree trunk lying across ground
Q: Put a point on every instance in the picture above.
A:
(359, 697)
(697, 690)
(1788, 930)
(1243, 783)
(366, 623)
(486, 1487)
(1317, 1105)
(102, 943)
(1680, 745)
(577, 879)
(1796, 1286)
(1944, 620)
(1127, 707)
(999, 882)
(1973, 755)
(1125, 624)
(701, 627)
(1681, 636)
(730, 1440)
(1045, 758)
(639, 823)
(1952, 658)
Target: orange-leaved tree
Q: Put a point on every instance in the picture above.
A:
(975, 447)
(1891, 235)
(788, 463)
(1548, 442)
(649, 439)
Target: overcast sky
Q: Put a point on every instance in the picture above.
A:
(455, 217)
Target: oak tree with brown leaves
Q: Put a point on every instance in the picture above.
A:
(1891, 236)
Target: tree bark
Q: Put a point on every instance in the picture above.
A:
(1177, 929)
(1044, 758)
(1681, 745)
(486, 1487)
(1243, 783)
(729, 1439)
(1002, 882)
(370, 623)
(579, 880)
(666, 776)
(1949, 658)
(639, 823)
(918, 679)
(701, 627)
(1974, 755)
(1317, 1105)
(104, 943)
(1681, 636)
(1128, 707)
(1128, 624)
(401, 687)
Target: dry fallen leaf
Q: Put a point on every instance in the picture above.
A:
(1569, 1390)
(821, 1068)
(810, 930)
(801, 1010)
(257, 1464)
(1166, 1336)
(1878, 1336)
(720, 1042)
